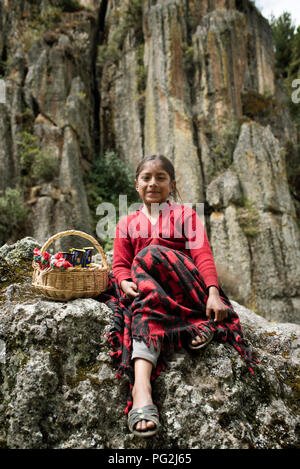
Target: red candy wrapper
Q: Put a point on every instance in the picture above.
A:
(36, 254)
(41, 259)
(59, 255)
(45, 259)
(55, 262)
(60, 263)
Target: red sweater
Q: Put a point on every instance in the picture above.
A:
(178, 227)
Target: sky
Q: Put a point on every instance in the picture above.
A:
(277, 7)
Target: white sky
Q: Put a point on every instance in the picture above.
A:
(277, 7)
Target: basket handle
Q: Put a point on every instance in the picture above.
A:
(77, 233)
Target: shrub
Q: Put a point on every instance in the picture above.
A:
(68, 5)
(257, 105)
(223, 144)
(109, 177)
(29, 150)
(44, 167)
(248, 219)
(44, 20)
(12, 212)
(37, 165)
(39, 24)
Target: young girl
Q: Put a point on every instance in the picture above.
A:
(164, 290)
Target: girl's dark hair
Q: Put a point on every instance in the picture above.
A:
(167, 166)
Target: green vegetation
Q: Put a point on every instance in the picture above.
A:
(3, 67)
(68, 5)
(285, 40)
(47, 19)
(141, 70)
(64, 5)
(248, 219)
(39, 24)
(188, 55)
(109, 177)
(256, 105)
(83, 373)
(141, 82)
(287, 63)
(223, 144)
(37, 165)
(133, 17)
(123, 21)
(45, 166)
(12, 212)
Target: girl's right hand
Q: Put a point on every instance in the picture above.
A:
(129, 288)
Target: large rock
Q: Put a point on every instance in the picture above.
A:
(165, 76)
(58, 387)
(253, 227)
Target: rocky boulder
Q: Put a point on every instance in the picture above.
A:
(253, 226)
(58, 387)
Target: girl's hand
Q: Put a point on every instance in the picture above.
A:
(214, 304)
(129, 288)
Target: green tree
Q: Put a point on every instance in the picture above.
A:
(12, 213)
(283, 34)
(295, 57)
(109, 177)
(37, 165)
(287, 63)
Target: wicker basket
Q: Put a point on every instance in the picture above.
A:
(74, 282)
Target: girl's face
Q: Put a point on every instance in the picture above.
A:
(154, 183)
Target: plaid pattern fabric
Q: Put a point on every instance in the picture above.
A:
(170, 308)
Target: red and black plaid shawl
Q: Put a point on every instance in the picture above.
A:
(170, 308)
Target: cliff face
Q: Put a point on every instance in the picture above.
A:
(191, 80)
(50, 96)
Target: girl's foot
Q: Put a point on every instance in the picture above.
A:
(142, 396)
(199, 342)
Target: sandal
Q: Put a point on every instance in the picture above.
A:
(148, 412)
(207, 335)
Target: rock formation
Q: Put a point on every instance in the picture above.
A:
(58, 388)
(192, 80)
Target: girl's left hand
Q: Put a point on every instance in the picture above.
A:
(214, 304)
(130, 289)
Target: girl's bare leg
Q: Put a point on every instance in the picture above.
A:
(142, 392)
